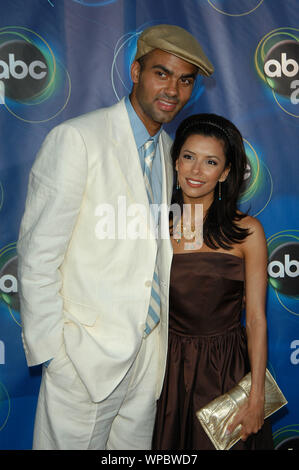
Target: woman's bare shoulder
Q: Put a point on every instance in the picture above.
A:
(252, 224)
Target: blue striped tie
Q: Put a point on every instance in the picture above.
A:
(149, 153)
(153, 316)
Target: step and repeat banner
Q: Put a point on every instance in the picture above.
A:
(62, 58)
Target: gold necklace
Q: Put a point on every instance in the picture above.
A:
(189, 233)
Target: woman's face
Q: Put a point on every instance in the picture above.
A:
(200, 165)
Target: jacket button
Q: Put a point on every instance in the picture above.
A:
(148, 283)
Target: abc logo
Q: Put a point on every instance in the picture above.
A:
(247, 177)
(291, 443)
(283, 269)
(281, 67)
(9, 284)
(23, 70)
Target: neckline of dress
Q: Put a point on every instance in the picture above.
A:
(210, 253)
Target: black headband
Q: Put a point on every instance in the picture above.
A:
(224, 131)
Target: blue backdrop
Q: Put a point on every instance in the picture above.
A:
(61, 58)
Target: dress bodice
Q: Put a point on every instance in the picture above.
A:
(206, 292)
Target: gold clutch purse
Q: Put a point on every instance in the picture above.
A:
(219, 413)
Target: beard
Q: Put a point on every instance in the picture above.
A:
(156, 113)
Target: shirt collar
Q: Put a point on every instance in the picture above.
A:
(140, 132)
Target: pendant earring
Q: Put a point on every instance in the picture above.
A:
(177, 182)
(219, 190)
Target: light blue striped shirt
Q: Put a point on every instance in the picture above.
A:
(141, 135)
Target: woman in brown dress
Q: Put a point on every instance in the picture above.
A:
(209, 349)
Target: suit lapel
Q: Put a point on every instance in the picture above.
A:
(127, 157)
(126, 154)
(167, 170)
(167, 182)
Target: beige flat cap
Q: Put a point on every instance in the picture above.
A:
(176, 41)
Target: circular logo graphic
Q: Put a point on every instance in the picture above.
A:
(235, 7)
(4, 406)
(292, 443)
(257, 188)
(1, 195)
(286, 438)
(124, 54)
(277, 64)
(9, 281)
(94, 3)
(32, 80)
(283, 268)
(281, 67)
(88, 3)
(23, 69)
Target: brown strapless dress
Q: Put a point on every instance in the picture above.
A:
(207, 353)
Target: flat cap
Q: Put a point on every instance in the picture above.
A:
(176, 41)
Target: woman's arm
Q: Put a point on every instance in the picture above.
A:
(255, 253)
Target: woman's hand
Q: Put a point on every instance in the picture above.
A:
(251, 417)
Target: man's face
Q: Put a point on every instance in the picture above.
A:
(161, 87)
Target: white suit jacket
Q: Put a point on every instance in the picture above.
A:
(77, 287)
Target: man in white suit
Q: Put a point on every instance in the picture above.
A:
(88, 306)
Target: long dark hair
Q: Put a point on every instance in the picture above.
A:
(221, 228)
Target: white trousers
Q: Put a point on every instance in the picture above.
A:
(66, 418)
